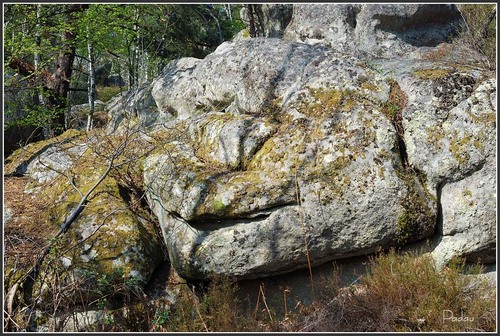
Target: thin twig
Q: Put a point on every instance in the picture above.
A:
(265, 303)
(198, 310)
(301, 218)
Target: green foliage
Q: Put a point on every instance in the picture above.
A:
(161, 318)
(138, 39)
(105, 93)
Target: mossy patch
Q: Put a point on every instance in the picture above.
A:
(395, 104)
(110, 235)
(325, 102)
(432, 73)
(219, 207)
(417, 219)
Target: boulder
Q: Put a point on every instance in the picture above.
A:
(299, 156)
(110, 244)
(381, 30)
(249, 77)
(469, 218)
(134, 107)
(270, 19)
(449, 127)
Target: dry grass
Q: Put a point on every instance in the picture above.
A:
(479, 29)
(26, 234)
(402, 292)
(407, 293)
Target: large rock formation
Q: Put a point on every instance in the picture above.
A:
(270, 152)
(382, 30)
(284, 143)
(112, 242)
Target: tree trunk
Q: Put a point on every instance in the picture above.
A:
(91, 82)
(136, 47)
(58, 82)
(38, 43)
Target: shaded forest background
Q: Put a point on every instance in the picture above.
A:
(60, 55)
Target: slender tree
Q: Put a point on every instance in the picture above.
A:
(55, 81)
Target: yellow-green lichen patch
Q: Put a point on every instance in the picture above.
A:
(435, 135)
(488, 119)
(459, 147)
(467, 193)
(245, 33)
(326, 102)
(432, 73)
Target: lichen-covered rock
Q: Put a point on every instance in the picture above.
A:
(110, 243)
(374, 29)
(19, 161)
(307, 153)
(135, 106)
(253, 77)
(449, 132)
(268, 148)
(469, 218)
(270, 19)
(179, 74)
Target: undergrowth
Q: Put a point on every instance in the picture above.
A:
(400, 292)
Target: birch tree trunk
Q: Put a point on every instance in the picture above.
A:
(38, 42)
(91, 83)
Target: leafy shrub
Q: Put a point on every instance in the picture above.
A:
(105, 93)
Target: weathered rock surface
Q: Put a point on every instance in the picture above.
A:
(449, 127)
(380, 29)
(270, 147)
(469, 213)
(298, 122)
(136, 106)
(108, 241)
(323, 112)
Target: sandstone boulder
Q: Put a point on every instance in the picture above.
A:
(307, 153)
(381, 30)
(110, 244)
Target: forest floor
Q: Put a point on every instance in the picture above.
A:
(25, 231)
